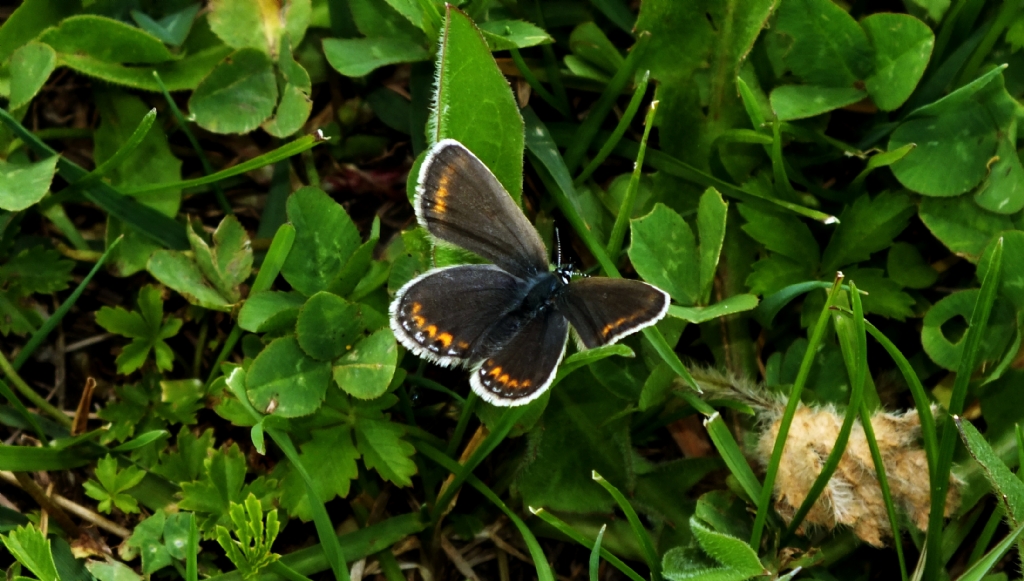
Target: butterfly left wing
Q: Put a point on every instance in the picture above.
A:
(525, 365)
(460, 201)
(444, 314)
(604, 310)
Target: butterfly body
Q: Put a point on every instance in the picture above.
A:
(507, 321)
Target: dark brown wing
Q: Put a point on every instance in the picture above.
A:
(460, 201)
(443, 314)
(526, 364)
(604, 310)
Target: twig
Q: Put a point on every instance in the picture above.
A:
(26, 483)
(75, 509)
(457, 560)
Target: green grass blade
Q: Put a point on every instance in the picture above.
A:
(595, 555)
(985, 537)
(544, 572)
(978, 571)
(972, 341)
(192, 550)
(51, 323)
(568, 531)
(857, 363)
(505, 424)
(764, 502)
(734, 458)
(626, 209)
(924, 410)
(587, 130)
(620, 129)
(222, 200)
(145, 220)
(284, 152)
(535, 84)
(642, 537)
(281, 245)
(122, 153)
(29, 417)
(324, 528)
(464, 416)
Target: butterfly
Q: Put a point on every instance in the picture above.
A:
(507, 321)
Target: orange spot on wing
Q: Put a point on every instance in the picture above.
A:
(416, 308)
(463, 345)
(440, 206)
(420, 321)
(496, 372)
(612, 326)
(445, 339)
(430, 330)
(525, 384)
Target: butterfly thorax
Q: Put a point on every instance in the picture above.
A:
(541, 292)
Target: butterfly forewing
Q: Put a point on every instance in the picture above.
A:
(525, 365)
(603, 310)
(444, 314)
(460, 201)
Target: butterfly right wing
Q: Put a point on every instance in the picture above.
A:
(460, 201)
(603, 310)
(445, 313)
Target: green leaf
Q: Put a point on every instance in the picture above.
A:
(737, 561)
(508, 34)
(884, 296)
(30, 66)
(229, 263)
(236, 96)
(251, 552)
(244, 24)
(36, 270)
(112, 485)
(177, 75)
(588, 356)
(112, 571)
(908, 268)
(957, 308)
(146, 328)
(961, 225)
(664, 253)
(712, 213)
(727, 306)
(151, 162)
(186, 463)
(474, 105)
(181, 273)
(284, 381)
(791, 102)
(291, 114)
(782, 233)
(106, 40)
(24, 184)
(952, 153)
(222, 483)
(31, 548)
(903, 45)
(356, 57)
(383, 449)
(328, 326)
(325, 238)
(330, 450)
(1007, 487)
(829, 48)
(865, 227)
(173, 28)
(366, 371)
(1002, 191)
(269, 311)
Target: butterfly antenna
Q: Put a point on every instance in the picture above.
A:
(558, 249)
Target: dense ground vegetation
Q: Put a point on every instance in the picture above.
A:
(204, 215)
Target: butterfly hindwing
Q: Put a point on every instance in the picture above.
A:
(460, 201)
(523, 368)
(604, 310)
(443, 314)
